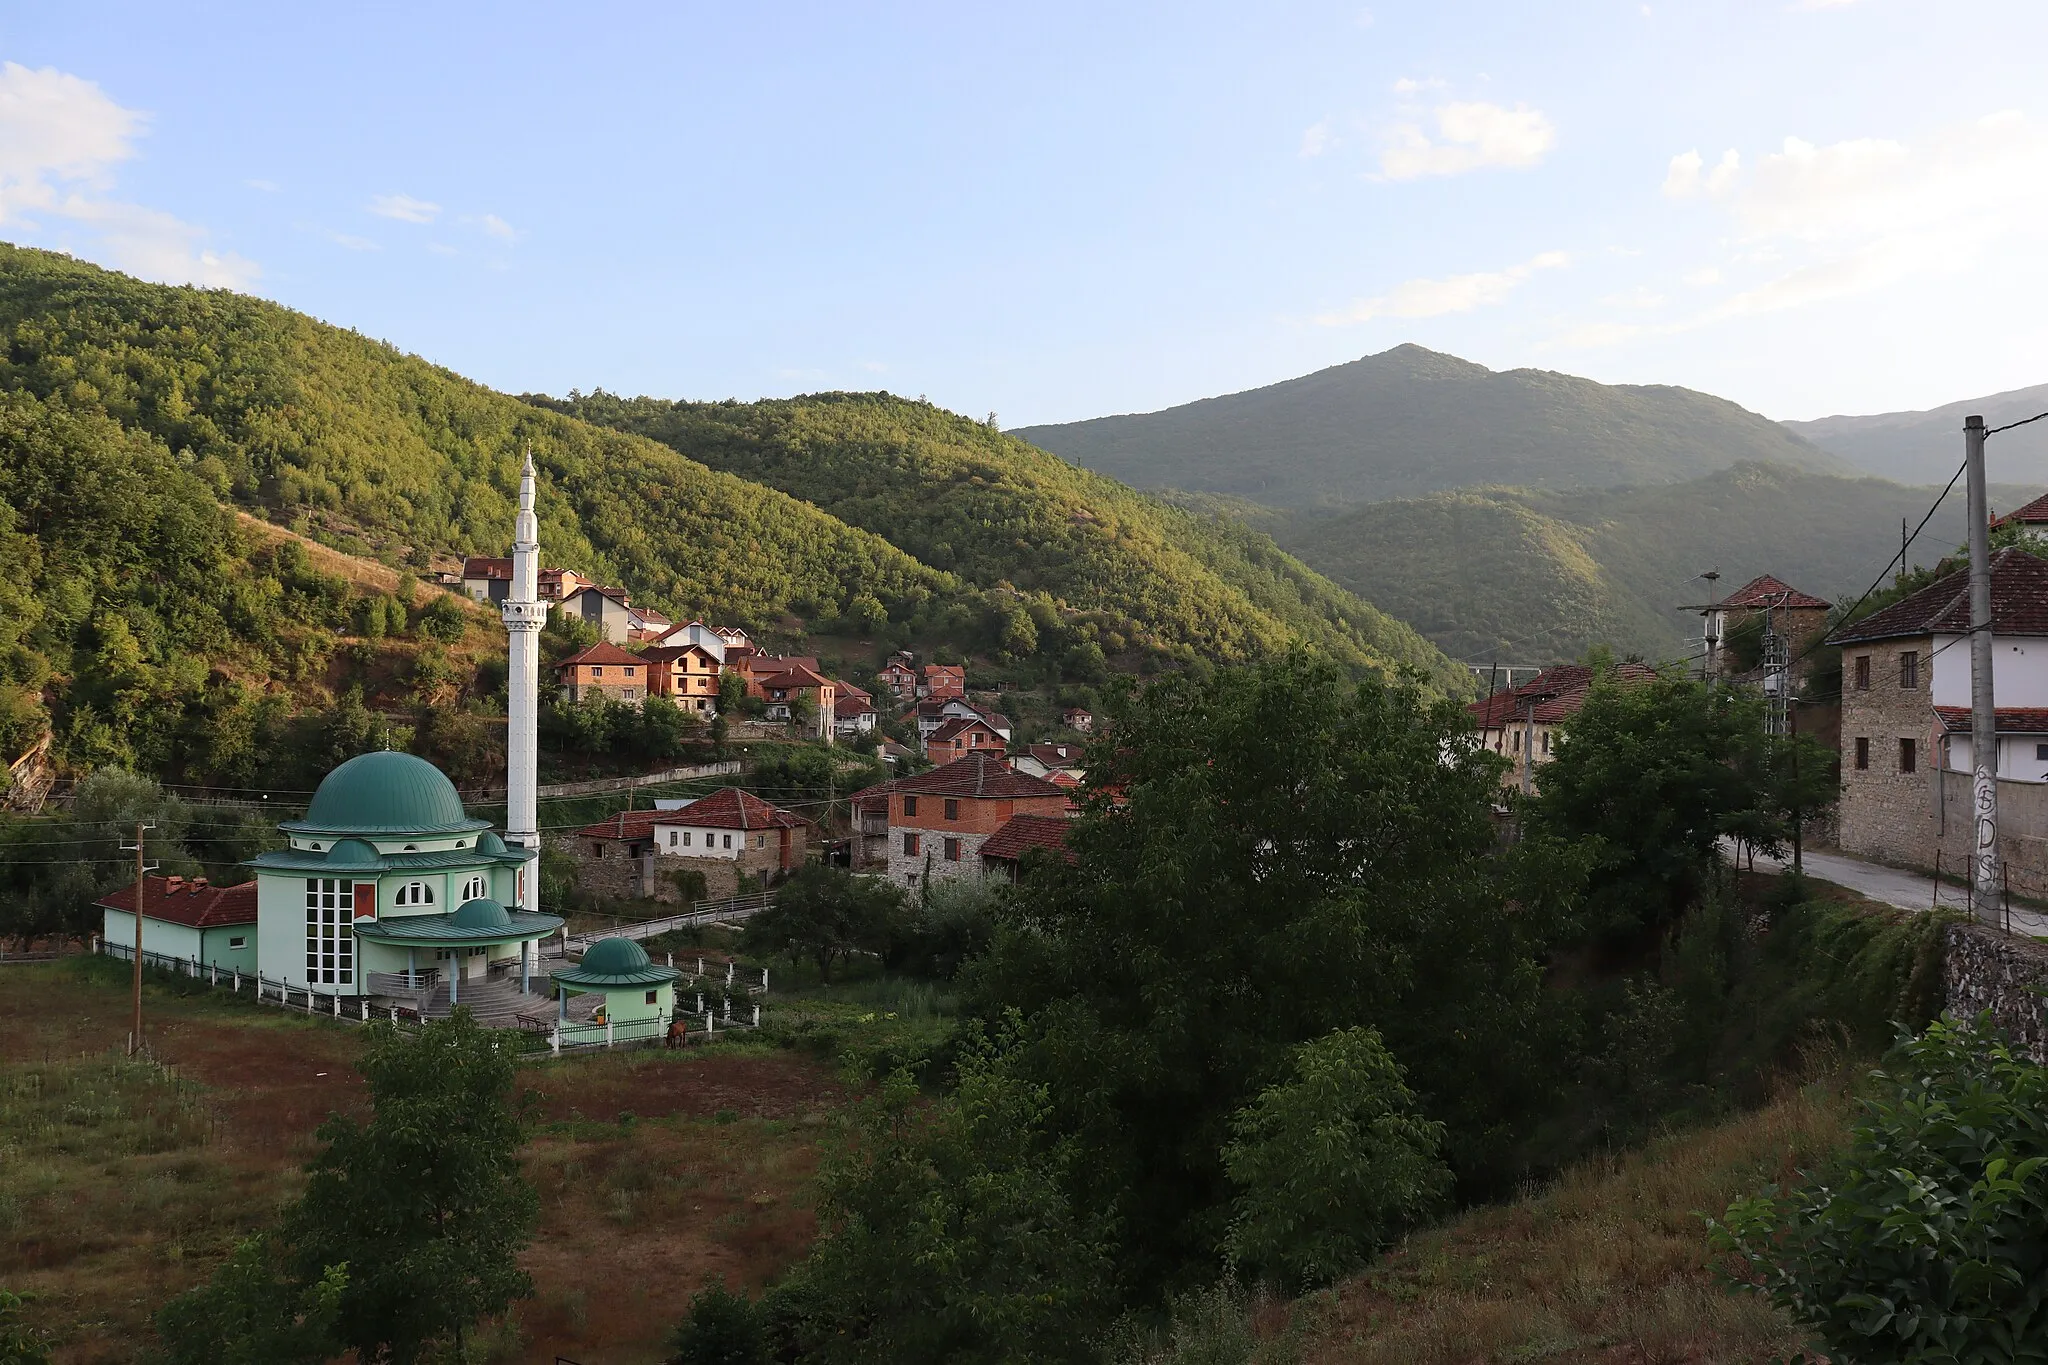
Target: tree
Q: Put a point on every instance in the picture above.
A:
(1927, 1241)
(20, 1344)
(732, 692)
(722, 1328)
(1330, 1163)
(443, 620)
(251, 1313)
(425, 1203)
(826, 913)
(946, 1233)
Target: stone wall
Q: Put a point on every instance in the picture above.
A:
(617, 875)
(1885, 812)
(907, 870)
(1984, 969)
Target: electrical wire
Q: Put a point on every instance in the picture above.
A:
(2022, 422)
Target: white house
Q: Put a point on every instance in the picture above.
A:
(188, 920)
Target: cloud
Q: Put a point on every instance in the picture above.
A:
(1317, 139)
(60, 138)
(1684, 179)
(352, 242)
(494, 226)
(266, 186)
(1640, 297)
(1469, 136)
(1409, 86)
(404, 208)
(1452, 294)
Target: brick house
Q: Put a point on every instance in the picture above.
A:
(935, 822)
(957, 738)
(725, 836)
(899, 676)
(1077, 720)
(1906, 762)
(1521, 723)
(941, 681)
(797, 679)
(1003, 853)
(1799, 617)
(603, 670)
(932, 714)
(685, 673)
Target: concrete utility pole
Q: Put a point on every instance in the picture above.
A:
(1984, 872)
(135, 1022)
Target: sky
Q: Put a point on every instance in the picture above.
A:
(1057, 211)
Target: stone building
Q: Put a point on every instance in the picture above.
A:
(724, 836)
(1521, 723)
(603, 670)
(1798, 617)
(1906, 760)
(933, 824)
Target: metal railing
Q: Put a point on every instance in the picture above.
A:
(702, 1025)
(727, 911)
(354, 1009)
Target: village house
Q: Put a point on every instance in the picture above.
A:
(934, 823)
(941, 681)
(609, 609)
(1906, 746)
(603, 670)
(684, 672)
(1044, 760)
(1798, 618)
(1522, 723)
(899, 676)
(696, 633)
(959, 737)
(187, 920)
(932, 714)
(724, 836)
(795, 680)
(853, 711)
(736, 641)
(1077, 720)
(489, 580)
(2031, 520)
(1003, 853)
(646, 624)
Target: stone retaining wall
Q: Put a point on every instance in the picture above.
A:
(1984, 969)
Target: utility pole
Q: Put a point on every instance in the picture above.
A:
(1984, 872)
(1798, 814)
(141, 870)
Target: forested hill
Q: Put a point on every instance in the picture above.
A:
(1919, 447)
(995, 511)
(1410, 421)
(1541, 577)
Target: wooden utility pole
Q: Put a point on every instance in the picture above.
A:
(135, 1019)
(1985, 881)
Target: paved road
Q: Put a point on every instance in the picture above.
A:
(1907, 890)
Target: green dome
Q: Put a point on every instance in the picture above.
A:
(614, 957)
(353, 855)
(488, 842)
(385, 793)
(483, 913)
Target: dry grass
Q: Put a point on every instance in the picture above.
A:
(1607, 1265)
(122, 1184)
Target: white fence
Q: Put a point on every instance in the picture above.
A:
(708, 912)
(284, 994)
(701, 1025)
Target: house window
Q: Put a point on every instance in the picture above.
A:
(330, 938)
(1909, 755)
(630, 671)
(414, 893)
(1546, 741)
(597, 670)
(952, 850)
(910, 805)
(672, 836)
(596, 848)
(760, 841)
(952, 809)
(1862, 672)
(476, 888)
(910, 844)
(2041, 752)
(728, 841)
(1909, 669)
(243, 942)
(653, 996)
(1518, 741)
(686, 838)
(1862, 752)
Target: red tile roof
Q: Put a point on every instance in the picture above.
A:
(1022, 833)
(797, 675)
(1552, 695)
(731, 808)
(945, 671)
(2012, 720)
(175, 900)
(1060, 777)
(603, 652)
(1766, 591)
(848, 708)
(960, 725)
(1057, 755)
(483, 566)
(2019, 604)
(633, 824)
(983, 774)
(2034, 513)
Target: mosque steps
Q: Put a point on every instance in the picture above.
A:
(495, 1004)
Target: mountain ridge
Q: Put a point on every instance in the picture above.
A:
(1927, 444)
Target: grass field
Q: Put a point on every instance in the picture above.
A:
(1607, 1265)
(123, 1183)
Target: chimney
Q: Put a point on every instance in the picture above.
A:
(172, 883)
(198, 885)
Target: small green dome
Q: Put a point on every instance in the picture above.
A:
(353, 854)
(484, 913)
(614, 957)
(385, 793)
(489, 842)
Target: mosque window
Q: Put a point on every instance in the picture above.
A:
(414, 893)
(330, 938)
(475, 889)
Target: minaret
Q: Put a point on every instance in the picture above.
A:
(525, 613)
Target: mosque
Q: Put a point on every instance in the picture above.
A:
(387, 888)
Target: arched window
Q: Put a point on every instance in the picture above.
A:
(414, 893)
(476, 888)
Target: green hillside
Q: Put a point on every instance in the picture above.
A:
(1533, 577)
(1914, 447)
(1411, 421)
(997, 512)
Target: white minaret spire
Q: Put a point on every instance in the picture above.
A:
(525, 613)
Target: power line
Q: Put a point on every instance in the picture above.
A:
(2022, 422)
